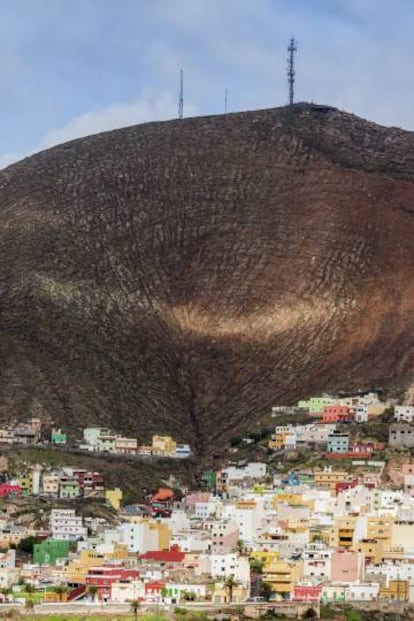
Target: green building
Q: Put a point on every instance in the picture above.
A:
(47, 552)
(315, 405)
(209, 480)
(69, 487)
(57, 437)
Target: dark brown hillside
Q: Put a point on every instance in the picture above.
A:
(184, 276)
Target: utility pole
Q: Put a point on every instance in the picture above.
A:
(291, 69)
(181, 96)
(226, 100)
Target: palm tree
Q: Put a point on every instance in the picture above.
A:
(29, 605)
(230, 584)
(134, 606)
(240, 546)
(6, 592)
(92, 591)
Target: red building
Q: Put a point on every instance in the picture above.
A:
(337, 414)
(103, 578)
(164, 556)
(307, 593)
(153, 590)
(10, 490)
(89, 482)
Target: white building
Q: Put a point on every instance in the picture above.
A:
(139, 537)
(317, 562)
(225, 565)
(127, 590)
(404, 413)
(65, 524)
(248, 517)
(361, 413)
(252, 470)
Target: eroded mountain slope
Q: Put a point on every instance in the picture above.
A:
(184, 276)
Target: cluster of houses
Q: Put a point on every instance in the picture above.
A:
(335, 532)
(95, 439)
(62, 483)
(327, 437)
(328, 432)
(322, 535)
(102, 440)
(329, 409)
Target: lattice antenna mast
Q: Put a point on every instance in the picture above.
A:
(291, 69)
(226, 100)
(181, 96)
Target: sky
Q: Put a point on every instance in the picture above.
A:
(69, 68)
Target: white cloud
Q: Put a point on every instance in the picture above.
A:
(152, 107)
(155, 107)
(9, 158)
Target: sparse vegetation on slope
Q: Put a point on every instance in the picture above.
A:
(182, 277)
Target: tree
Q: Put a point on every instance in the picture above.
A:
(241, 546)
(265, 589)
(230, 584)
(29, 588)
(92, 591)
(61, 589)
(134, 606)
(29, 604)
(26, 544)
(6, 592)
(256, 565)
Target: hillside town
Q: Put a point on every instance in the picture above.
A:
(326, 517)
(94, 440)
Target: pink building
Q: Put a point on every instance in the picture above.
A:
(224, 536)
(307, 593)
(337, 414)
(347, 566)
(195, 497)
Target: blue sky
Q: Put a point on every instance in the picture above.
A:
(69, 68)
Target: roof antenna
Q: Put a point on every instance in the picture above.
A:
(226, 100)
(181, 97)
(291, 69)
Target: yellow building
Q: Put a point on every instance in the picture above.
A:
(287, 497)
(277, 440)
(264, 557)
(396, 590)
(50, 483)
(221, 594)
(282, 575)
(114, 497)
(329, 478)
(26, 481)
(164, 444)
(380, 528)
(372, 549)
(342, 532)
(164, 535)
(76, 571)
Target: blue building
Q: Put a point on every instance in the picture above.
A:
(338, 442)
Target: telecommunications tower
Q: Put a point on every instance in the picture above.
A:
(291, 69)
(181, 96)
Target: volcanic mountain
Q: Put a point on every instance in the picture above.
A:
(182, 277)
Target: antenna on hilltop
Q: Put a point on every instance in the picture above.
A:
(181, 97)
(291, 69)
(226, 100)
